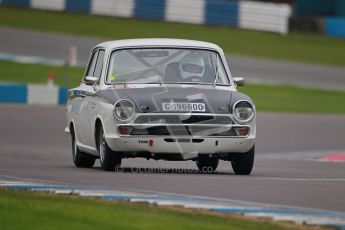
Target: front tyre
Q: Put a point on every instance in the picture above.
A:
(244, 162)
(109, 159)
(207, 164)
(80, 159)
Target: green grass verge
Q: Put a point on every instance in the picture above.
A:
(295, 99)
(296, 47)
(266, 98)
(28, 210)
(36, 73)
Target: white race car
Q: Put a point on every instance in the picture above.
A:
(168, 99)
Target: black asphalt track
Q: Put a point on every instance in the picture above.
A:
(33, 146)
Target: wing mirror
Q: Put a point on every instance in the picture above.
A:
(90, 80)
(239, 81)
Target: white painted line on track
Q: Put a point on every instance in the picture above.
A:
(143, 191)
(225, 200)
(205, 206)
(63, 192)
(302, 179)
(34, 180)
(312, 156)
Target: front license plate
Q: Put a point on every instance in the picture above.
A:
(185, 107)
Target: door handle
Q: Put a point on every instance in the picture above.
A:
(81, 95)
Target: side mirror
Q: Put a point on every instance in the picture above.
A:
(239, 81)
(90, 80)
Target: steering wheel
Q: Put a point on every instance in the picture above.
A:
(190, 79)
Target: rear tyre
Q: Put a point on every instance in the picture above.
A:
(109, 159)
(80, 159)
(244, 162)
(207, 164)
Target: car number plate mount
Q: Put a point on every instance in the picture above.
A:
(184, 107)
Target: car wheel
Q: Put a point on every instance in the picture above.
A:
(207, 164)
(109, 159)
(243, 163)
(80, 159)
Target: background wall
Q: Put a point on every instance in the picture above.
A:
(273, 17)
(331, 11)
(320, 7)
(323, 16)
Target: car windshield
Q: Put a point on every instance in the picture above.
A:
(168, 66)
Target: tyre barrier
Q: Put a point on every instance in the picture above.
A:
(32, 94)
(253, 15)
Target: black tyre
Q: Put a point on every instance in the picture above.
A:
(109, 159)
(207, 164)
(244, 162)
(80, 159)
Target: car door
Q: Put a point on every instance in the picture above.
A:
(83, 119)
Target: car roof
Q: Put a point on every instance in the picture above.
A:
(159, 42)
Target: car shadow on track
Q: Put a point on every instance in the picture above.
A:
(156, 170)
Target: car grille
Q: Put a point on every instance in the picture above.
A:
(183, 119)
(196, 125)
(184, 130)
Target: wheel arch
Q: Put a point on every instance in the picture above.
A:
(71, 127)
(98, 126)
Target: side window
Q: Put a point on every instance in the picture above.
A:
(99, 64)
(92, 63)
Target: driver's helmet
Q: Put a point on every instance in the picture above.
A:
(192, 65)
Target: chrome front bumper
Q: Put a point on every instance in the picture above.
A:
(185, 134)
(181, 145)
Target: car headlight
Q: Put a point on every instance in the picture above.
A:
(124, 110)
(243, 111)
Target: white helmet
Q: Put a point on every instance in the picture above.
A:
(192, 65)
